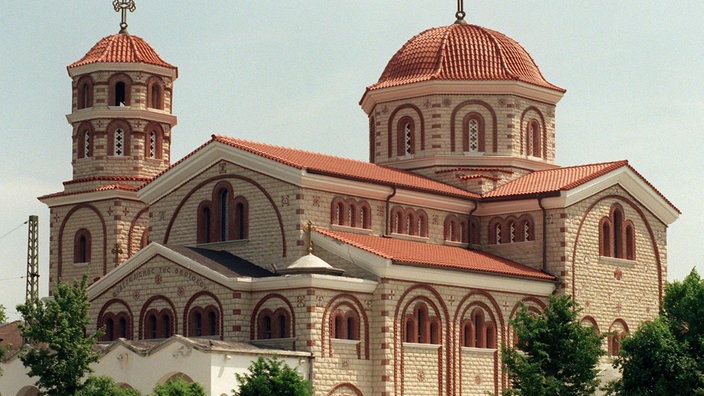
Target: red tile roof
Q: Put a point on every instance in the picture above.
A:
(461, 52)
(554, 180)
(122, 48)
(10, 336)
(344, 168)
(431, 255)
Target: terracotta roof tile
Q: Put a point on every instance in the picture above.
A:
(431, 255)
(554, 180)
(345, 168)
(122, 48)
(461, 52)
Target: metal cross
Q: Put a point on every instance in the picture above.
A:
(124, 6)
(117, 251)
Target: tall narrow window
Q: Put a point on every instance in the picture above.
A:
(166, 326)
(618, 235)
(119, 142)
(86, 96)
(240, 213)
(87, 144)
(405, 136)
(224, 215)
(267, 327)
(120, 94)
(110, 329)
(152, 326)
(198, 324)
(82, 242)
(473, 133)
(122, 327)
(152, 144)
(212, 323)
(84, 93)
(533, 139)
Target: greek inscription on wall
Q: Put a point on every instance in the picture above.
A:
(161, 274)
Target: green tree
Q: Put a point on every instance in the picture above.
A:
(3, 316)
(61, 352)
(664, 357)
(104, 386)
(555, 355)
(271, 377)
(179, 387)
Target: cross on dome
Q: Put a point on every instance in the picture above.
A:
(460, 14)
(124, 6)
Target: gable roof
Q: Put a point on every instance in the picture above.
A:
(223, 262)
(435, 256)
(343, 167)
(553, 180)
(329, 165)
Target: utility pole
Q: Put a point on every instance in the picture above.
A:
(32, 290)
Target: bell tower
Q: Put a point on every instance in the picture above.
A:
(121, 124)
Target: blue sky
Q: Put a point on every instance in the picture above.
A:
(292, 73)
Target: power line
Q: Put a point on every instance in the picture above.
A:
(13, 230)
(15, 278)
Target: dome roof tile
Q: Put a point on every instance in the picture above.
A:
(122, 48)
(461, 52)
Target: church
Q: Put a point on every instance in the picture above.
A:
(397, 276)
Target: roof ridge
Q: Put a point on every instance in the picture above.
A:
(439, 58)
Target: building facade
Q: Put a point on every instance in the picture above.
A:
(397, 276)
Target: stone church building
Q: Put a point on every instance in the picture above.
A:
(396, 276)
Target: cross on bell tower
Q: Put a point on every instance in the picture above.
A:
(124, 6)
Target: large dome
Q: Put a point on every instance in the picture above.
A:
(461, 52)
(122, 48)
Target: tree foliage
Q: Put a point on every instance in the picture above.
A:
(179, 387)
(3, 315)
(555, 355)
(60, 352)
(104, 386)
(665, 357)
(271, 377)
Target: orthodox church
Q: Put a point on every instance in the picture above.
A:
(396, 276)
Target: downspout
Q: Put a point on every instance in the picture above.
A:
(545, 233)
(469, 224)
(388, 202)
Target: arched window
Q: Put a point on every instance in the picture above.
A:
(511, 231)
(365, 216)
(84, 93)
(119, 138)
(533, 139)
(159, 324)
(421, 327)
(630, 241)
(241, 221)
(345, 325)
(155, 93)
(224, 214)
(496, 232)
(119, 142)
(525, 230)
(405, 136)
(421, 224)
(351, 215)
(119, 89)
(473, 133)
(618, 330)
(82, 246)
(109, 329)
(85, 144)
(617, 235)
(275, 324)
(204, 223)
(478, 331)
